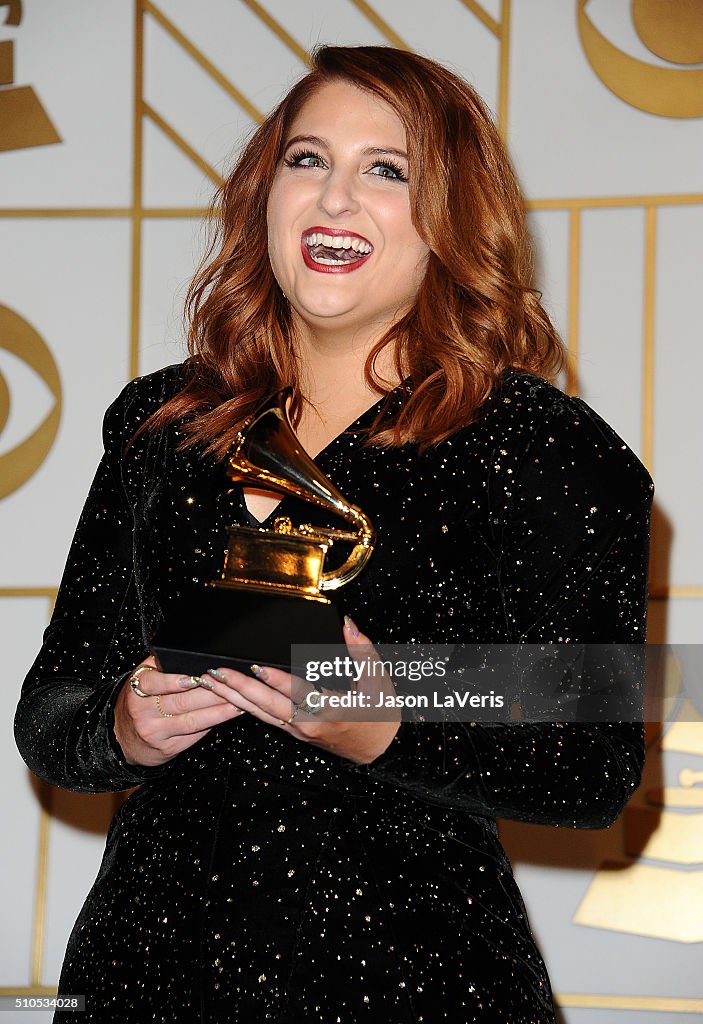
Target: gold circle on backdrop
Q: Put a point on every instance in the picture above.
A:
(18, 337)
(4, 403)
(671, 31)
(666, 92)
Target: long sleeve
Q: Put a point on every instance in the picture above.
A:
(64, 719)
(570, 516)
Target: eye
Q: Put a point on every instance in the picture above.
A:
(304, 158)
(388, 169)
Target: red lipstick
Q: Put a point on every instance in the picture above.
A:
(320, 254)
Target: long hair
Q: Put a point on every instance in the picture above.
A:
(476, 311)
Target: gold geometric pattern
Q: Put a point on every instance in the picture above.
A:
(138, 213)
(23, 120)
(25, 343)
(673, 32)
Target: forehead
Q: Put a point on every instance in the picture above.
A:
(340, 111)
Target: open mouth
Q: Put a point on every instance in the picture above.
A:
(337, 251)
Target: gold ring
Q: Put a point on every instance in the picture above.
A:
(309, 709)
(164, 714)
(303, 705)
(297, 708)
(134, 680)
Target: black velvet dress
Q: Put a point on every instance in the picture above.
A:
(255, 878)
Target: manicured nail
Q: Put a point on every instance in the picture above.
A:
(205, 682)
(350, 625)
(188, 682)
(259, 672)
(221, 678)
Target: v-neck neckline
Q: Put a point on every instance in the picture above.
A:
(355, 424)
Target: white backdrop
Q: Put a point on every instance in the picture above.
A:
(129, 111)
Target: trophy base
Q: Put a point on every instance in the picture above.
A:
(234, 628)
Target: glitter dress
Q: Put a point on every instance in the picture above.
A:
(255, 878)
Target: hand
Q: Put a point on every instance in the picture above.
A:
(149, 736)
(269, 697)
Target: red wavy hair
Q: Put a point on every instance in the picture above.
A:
(476, 311)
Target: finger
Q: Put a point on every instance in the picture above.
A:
(190, 722)
(295, 689)
(375, 684)
(182, 703)
(269, 703)
(264, 687)
(269, 692)
(352, 634)
(151, 680)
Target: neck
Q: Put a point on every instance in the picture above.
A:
(332, 363)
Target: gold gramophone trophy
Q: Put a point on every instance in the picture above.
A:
(271, 591)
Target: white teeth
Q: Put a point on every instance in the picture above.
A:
(339, 242)
(327, 263)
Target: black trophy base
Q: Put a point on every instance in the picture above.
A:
(218, 627)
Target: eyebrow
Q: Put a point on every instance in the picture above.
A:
(315, 140)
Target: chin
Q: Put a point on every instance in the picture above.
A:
(318, 312)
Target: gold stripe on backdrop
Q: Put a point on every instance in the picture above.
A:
(102, 212)
(42, 868)
(383, 27)
(200, 58)
(278, 29)
(664, 1004)
(49, 592)
(179, 141)
(504, 70)
(27, 990)
(19, 212)
(136, 212)
(483, 16)
(40, 891)
(681, 591)
(595, 202)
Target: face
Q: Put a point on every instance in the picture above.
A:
(341, 242)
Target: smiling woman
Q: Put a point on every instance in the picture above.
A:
(385, 145)
(340, 199)
(371, 253)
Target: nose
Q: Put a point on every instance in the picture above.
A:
(338, 195)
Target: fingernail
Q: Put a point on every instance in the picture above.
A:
(188, 682)
(205, 682)
(350, 625)
(217, 675)
(259, 672)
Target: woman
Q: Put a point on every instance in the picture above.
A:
(371, 251)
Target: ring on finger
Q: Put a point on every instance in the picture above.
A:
(134, 680)
(304, 705)
(164, 714)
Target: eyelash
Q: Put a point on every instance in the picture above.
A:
(294, 160)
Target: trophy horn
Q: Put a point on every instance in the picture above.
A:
(267, 452)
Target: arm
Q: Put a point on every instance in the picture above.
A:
(574, 535)
(64, 720)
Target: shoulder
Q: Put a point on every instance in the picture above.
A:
(138, 399)
(544, 438)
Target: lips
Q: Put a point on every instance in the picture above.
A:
(334, 250)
